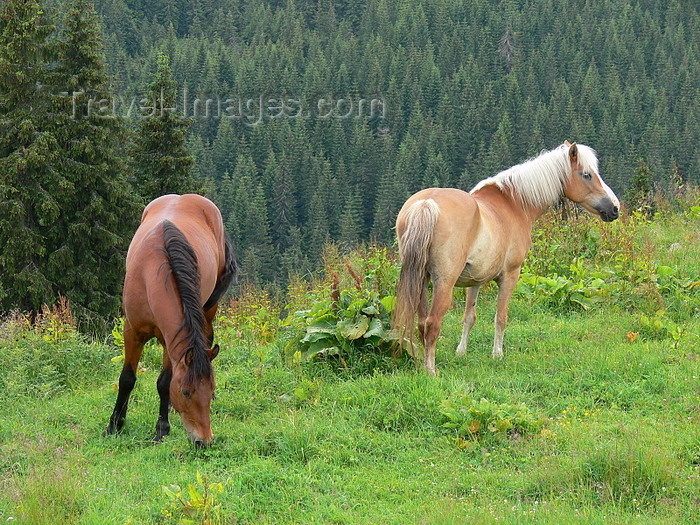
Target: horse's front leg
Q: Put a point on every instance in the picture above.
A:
(163, 385)
(469, 318)
(506, 285)
(133, 347)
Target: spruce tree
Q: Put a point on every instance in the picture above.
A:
(225, 147)
(86, 244)
(67, 210)
(161, 162)
(640, 196)
(27, 153)
(351, 219)
(389, 201)
(253, 226)
(437, 172)
(317, 228)
(283, 203)
(293, 261)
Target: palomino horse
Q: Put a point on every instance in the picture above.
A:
(179, 264)
(468, 239)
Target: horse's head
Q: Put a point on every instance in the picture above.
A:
(191, 394)
(585, 186)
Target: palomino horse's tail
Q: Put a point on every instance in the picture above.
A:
(183, 265)
(414, 249)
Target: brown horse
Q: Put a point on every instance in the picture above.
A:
(179, 264)
(468, 239)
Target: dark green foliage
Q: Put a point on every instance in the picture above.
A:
(467, 89)
(67, 210)
(27, 152)
(640, 194)
(160, 160)
(86, 244)
(470, 89)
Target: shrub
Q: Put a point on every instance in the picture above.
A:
(476, 420)
(351, 326)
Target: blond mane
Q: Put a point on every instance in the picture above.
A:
(539, 182)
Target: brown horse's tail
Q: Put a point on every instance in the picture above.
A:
(229, 275)
(414, 248)
(183, 265)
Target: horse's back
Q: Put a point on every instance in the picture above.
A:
(456, 208)
(146, 282)
(472, 241)
(458, 214)
(191, 213)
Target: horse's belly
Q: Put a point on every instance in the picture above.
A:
(485, 261)
(474, 274)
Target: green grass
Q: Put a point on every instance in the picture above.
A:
(304, 443)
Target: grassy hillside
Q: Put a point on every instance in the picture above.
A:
(592, 417)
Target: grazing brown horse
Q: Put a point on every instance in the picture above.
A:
(468, 239)
(179, 264)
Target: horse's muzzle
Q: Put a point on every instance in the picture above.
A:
(608, 211)
(200, 443)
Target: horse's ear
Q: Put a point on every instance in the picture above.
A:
(189, 356)
(573, 152)
(567, 143)
(213, 352)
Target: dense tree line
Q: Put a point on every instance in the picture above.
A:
(72, 183)
(462, 89)
(469, 88)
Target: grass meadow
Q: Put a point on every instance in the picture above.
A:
(593, 416)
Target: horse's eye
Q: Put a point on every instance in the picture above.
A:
(587, 175)
(186, 393)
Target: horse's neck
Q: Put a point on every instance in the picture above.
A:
(532, 212)
(500, 199)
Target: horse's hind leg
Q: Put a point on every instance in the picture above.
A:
(208, 327)
(506, 285)
(442, 299)
(422, 311)
(469, 318)
(133, 347)
(163, 385)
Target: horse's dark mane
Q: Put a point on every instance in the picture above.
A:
(229, 276)
(183, 264)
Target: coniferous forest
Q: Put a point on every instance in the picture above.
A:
(310, 121)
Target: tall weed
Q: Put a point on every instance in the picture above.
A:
(46, 356)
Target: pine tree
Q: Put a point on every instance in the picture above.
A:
(283, 203)
(317, 228)
(389, 201)
(351, 220)
(293, 261)
(161, 162)
(27, 153)
(87, 243)
(640, 196)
